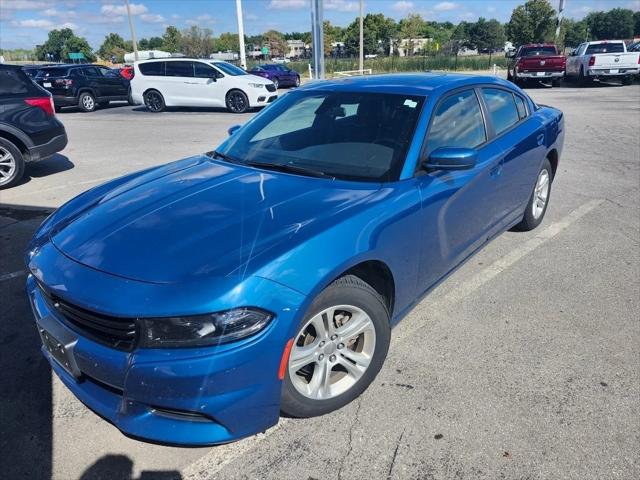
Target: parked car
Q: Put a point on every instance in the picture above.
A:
(29, 129)
(603, 60)
(536, 62)
(191, 303)
(280, 75)
(179, 82)
(85, 86)
(280, 60)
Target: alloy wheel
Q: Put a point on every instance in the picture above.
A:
(7, 165)
(236, 102)
(540, 194)
(153, 101)
(88, 102)
(331, 352)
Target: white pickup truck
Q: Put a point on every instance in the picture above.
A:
(602, 60)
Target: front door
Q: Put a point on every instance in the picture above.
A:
(459, 208)
(206, 86)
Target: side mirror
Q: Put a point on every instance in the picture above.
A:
(233, 129)
(450, 158)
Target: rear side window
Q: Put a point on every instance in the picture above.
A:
(521, 106)
(502, 108)
(605, 48)
(179, 69)
(13, 82)
(53, 72)
(91, 72)
(152, 68)
(457, 123)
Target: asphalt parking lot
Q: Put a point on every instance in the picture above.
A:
(525, 364)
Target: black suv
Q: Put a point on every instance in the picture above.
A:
(84, 86)
(29, 129)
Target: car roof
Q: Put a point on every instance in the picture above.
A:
(405, 83)
(538, 45)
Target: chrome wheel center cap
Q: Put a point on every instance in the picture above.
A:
(329, 348)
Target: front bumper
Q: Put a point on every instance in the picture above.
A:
(190, 396)
(40, 152)
(540, 75)
(261, 97)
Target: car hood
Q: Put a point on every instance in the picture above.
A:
(201, 217)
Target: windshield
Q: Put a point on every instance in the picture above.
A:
(346, 135)
(538, 51)
(617, 47)
(229, 69)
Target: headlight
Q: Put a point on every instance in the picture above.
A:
(202, 330)
(256, 85)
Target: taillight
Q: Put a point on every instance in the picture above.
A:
(65, 82)
(45, 103)
(592, 61)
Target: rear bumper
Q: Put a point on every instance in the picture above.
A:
(540, 75)
(607, 72)
(64, 101)
(40, 152)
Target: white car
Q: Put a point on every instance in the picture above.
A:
(181, 82)
(602, 60)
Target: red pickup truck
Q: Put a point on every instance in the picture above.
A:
(536, 62)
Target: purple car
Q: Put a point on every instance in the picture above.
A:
(280, 75)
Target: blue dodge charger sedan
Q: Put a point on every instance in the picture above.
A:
(193, 302)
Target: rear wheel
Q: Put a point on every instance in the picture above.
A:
(338, 349)
(537, 206)
(628, 80)
(87, 102)
(11, 164)
(297, 82)
(237, 101)
(130, 98)
(154, 101)
(555, 82)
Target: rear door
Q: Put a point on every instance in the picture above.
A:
(114, 82)
(521, 138)
(459, 208)
(179, 84)
(96, 82)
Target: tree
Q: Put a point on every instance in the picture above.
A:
(196, 42)
(533, 22)
(60, 43)
(276, 43)
(377, 31)
(171, 40)
(486, 35)
(574, 32)
(616, 23)
(411, 27)
(636, 24)
(227, 42)
(461, 37)
(113, 46)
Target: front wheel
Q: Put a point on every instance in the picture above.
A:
(537, 206)
(337, 350)
(237, 101)
(276, 83)
(583, 80)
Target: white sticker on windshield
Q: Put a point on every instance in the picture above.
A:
(410, 103)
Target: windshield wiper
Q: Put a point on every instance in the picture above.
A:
(287, 167)
(226, 158)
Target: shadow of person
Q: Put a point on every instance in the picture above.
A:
(120, 467)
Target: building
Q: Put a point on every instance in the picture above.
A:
(412, 46)
(295, 49)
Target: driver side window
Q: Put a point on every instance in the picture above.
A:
(457, 122)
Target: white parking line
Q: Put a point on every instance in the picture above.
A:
(9, 276)
(208, 466)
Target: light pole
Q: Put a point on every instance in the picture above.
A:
(317, 39)
(243, 55)
(361, 36)
(133, 32)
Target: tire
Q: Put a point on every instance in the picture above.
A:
(297, 82)
(303, 394)
(86, 102)
(130, 98)
(628, 80)
(582, 80)
(534, 216)
(11, 164)
(555, 82)
(276, 82)
(154, 101)
(237, 101)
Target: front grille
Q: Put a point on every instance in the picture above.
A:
(114, 332)
(271, 87)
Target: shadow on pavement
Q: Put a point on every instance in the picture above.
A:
(120, 467)
(25, 375)
(55, 164)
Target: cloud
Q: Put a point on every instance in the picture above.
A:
(23, 5)
(152, 18)
(403, 6)
(285, 4)
(33, 23)
(341, 5)
(119, 10)
(445, 6)
(251, 17)
(50, 12)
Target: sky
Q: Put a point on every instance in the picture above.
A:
(25, 23)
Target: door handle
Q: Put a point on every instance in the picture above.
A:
(191, 83)
(540, 139)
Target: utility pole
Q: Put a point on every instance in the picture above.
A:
(317, 38)
(133, 32)
(243, 55)
(560, 14)
(361, 36)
